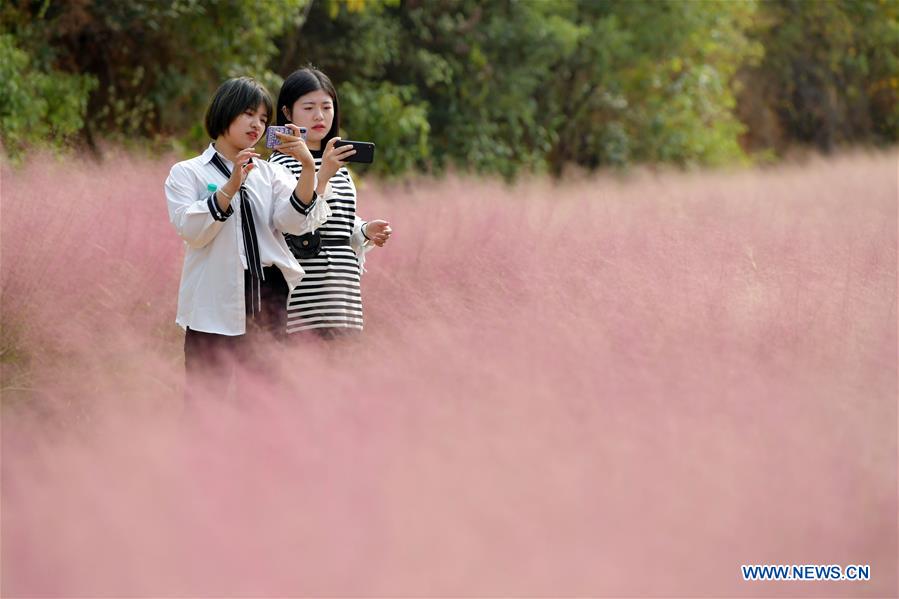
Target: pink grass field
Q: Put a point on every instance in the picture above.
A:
(607, 387)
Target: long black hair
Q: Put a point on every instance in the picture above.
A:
(298, 84)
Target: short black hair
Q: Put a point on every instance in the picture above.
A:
(298, 84)
(232, 98)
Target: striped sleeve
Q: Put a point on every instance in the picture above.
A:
(216, 211)
(295, 168)
(299, 206)
(289, 162)
(190, 211)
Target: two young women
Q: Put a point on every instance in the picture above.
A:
(233, 210)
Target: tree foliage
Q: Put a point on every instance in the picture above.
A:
(153, 64)
(510, 85)
(830, 75)
(38, 102)
(492, 87)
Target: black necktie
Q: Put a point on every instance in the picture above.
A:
(250, 242)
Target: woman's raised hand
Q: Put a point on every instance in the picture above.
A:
(293, 145)
(333, 158)
(242, 167)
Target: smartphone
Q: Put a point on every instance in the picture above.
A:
(365, 150)
(272, 140)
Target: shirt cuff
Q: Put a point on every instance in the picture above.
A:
(216, 212)
(299, 206)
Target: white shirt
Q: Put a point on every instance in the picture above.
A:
(211, 296)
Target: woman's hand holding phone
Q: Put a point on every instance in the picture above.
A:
(332, 159)
(293, 145)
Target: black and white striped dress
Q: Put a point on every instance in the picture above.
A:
(329, 294)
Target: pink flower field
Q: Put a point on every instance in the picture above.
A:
(611, 386)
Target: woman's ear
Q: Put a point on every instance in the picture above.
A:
(286, 113)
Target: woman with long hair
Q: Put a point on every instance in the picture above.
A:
(328, 301)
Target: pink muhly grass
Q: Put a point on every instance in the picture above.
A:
(603, 387)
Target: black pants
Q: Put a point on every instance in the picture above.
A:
(211, 359)
(272, 318)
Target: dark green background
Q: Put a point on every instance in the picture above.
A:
(489, 86)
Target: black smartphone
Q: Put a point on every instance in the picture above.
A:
(365, 150)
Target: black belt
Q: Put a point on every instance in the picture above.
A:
(335, 241)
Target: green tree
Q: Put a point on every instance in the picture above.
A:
(830, 75)
(39, 105)
(509, 85)
(154, 63)
(467, 73)
(652, 82)
(491, 87)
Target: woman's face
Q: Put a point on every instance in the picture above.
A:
(247, 128)
(315, 111)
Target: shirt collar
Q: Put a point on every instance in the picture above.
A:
(210, 152)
